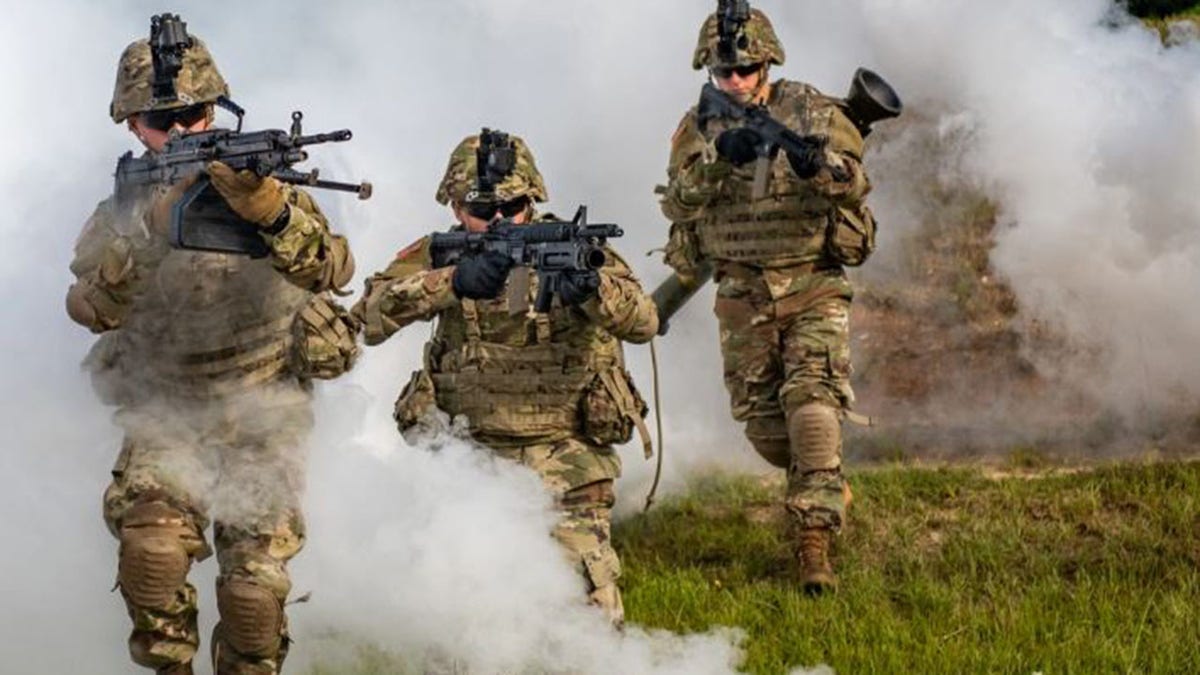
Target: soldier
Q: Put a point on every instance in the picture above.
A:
(547, 390)
(208, 358)
(777, 252)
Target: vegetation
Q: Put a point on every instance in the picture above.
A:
(942, 571)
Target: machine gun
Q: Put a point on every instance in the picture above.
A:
(870, 100)
(553, 250)
(732, 16)
(201, 220)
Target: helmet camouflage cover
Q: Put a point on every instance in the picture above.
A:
(761, 46)
(462, 179)
(198, 81)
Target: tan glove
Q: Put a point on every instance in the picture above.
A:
(257, 199)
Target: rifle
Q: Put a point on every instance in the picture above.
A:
(552, 249)
(773, 135)
(201, 220)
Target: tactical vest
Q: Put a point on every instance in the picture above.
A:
(788, 224)
(517, 378)
(205, 324)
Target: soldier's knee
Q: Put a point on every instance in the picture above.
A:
(815, 430)
(252, 621)
(769, 436)
(157, 545)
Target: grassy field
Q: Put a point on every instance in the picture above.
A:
(948, 570)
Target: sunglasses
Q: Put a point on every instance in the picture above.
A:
(163, 120)
(485, 210)
(726, 72)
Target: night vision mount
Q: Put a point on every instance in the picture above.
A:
(495, 160)
(169, 40)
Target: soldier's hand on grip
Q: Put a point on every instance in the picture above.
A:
(481, 277)
(807, 163)
(575, 289)
(739, 146)
(257, 199)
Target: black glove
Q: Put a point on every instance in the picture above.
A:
(481, 277)
(575, 289)
(739, 146)
(810, 159)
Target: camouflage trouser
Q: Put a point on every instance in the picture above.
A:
(786, 350)
(580, 476)
(239, 462)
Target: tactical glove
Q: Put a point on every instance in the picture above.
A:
(481, 277)
(739, 146)
(257, 199)
(809, 161)
(575, 289)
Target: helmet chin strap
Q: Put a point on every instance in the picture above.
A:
(763, 90)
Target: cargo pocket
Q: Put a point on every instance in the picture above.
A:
(613, 408)
(323, 340)
(850, 239)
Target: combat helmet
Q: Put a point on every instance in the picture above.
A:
(462, 182)
(197, 80)
(756, 44)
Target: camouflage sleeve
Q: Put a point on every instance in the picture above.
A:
(844, 152)
(105, 273)
(620, 306)
(306, 251)
(409, 290)
(694, 172)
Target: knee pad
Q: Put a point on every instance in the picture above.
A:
(154, 558)
(251, 618)
(600, 494)
(815, 430)
(769, 436)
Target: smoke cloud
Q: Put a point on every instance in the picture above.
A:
(1075, 121)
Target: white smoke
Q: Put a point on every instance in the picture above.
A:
(1085, 133)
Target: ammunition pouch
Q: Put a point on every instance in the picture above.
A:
(323, 340)
(522, 406)
(416, 405)
(612, 408)
(850, 239)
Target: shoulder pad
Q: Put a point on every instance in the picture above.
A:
(412, 257)
(782, 88)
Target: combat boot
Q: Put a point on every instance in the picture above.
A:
(816, 573)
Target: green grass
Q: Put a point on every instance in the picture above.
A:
(942, 571)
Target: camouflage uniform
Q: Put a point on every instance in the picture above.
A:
(547, 390)
(207, 357)
(783, 301)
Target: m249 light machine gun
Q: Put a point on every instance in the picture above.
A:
(200, 219)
